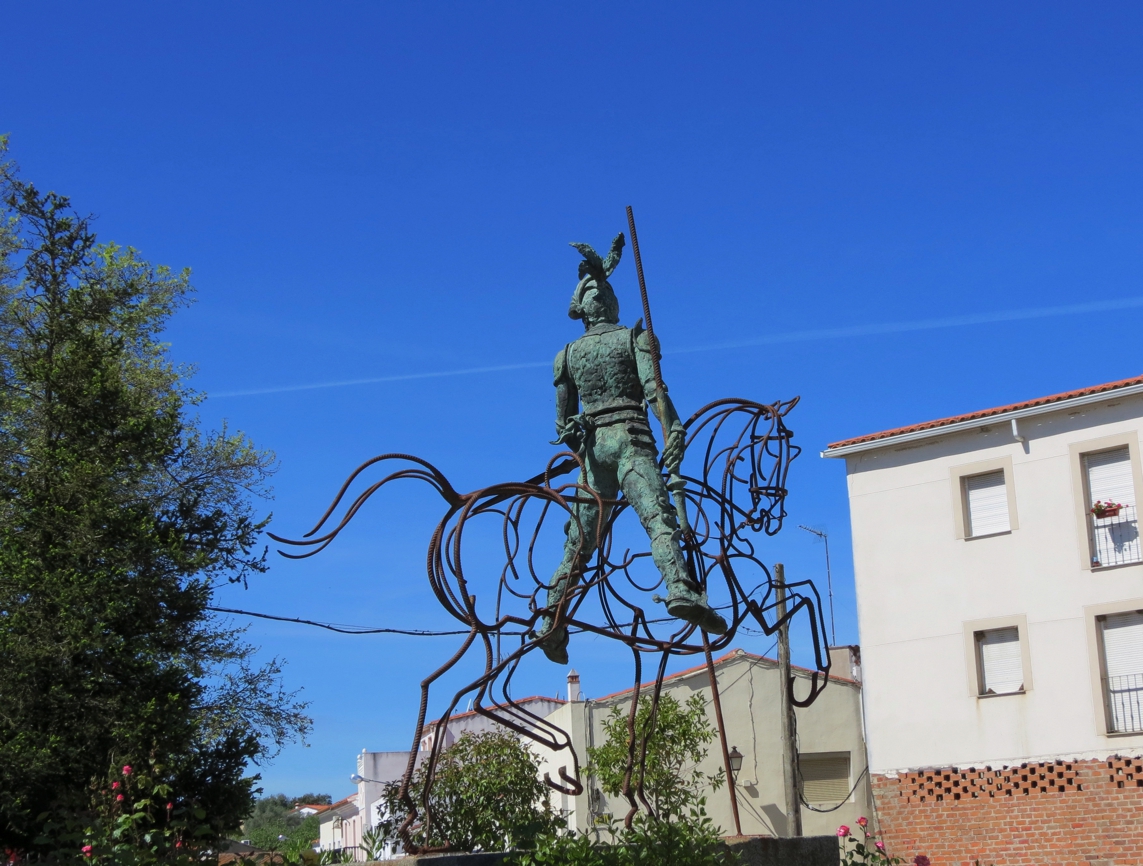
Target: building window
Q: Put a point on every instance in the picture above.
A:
(999, 661)
(1113, 527)
(986, 504)
(825, 777)
(1121, 636)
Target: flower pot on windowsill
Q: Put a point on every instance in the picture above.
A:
(1107, 512)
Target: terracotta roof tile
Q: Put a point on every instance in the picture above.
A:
(733, 654)
(987, 413)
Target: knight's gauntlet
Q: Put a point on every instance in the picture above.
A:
(570, 433)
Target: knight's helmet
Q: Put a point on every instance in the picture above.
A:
(594, 293)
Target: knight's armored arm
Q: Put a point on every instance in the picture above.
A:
(660, 403)
(568, 429)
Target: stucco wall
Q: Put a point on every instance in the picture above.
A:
(918, 585)
(748, 687)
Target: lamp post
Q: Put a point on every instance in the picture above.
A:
(735, 763)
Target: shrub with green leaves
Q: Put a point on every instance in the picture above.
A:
(486, 796)
(690, 840)
(676, 744)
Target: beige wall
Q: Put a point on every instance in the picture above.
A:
(920, 587)
(748, 688)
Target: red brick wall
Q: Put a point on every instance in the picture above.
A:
(1063, 812)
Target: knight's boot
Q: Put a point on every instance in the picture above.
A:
(553, 640)
(687, 603)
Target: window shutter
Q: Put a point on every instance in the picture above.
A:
(987, 503)
(1123, 644)
(825, 777)
(1109, 476)
(1123, 656)
(1001, 663)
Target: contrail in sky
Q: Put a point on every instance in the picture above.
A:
(766, 340)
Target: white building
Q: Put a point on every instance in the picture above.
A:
(1000, 617)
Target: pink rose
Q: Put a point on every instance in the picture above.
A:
(880, 846)
(842, 831)
(86, 849)
(170, 806)
(862, 821)
(127, 770)
(179, 844)
(119, 798)
(114, 786)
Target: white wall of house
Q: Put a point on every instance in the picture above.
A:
(924, 588)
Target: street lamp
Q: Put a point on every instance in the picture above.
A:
(735, 762)
(356, 779)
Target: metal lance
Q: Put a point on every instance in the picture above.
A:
(675, 482)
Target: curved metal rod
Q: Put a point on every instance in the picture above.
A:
(738, 497)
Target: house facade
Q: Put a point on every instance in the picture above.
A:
(999, 578)
(831, 746)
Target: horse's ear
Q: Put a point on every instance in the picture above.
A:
(613, 257)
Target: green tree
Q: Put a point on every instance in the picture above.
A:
(119, 515)
(677, 745)
(273, 825)
(486, 796)
(679, 832)
(312, 800)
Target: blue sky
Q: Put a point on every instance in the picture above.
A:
(897, 211)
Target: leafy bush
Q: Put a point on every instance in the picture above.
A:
(690, 840)
(868, 850)
(679, 833)
(134, 819)
(486, 796)
(672, 781)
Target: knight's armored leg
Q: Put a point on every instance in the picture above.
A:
(578, 551)
(644, 488)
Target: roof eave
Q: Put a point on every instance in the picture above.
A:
(973, 423)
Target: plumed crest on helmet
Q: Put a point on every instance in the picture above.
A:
(599, 268)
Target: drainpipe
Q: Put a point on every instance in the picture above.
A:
(1016, 432)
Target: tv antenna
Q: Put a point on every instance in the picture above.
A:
(829, 579)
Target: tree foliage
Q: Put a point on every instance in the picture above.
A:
(675, 747)
(486, 796)
(274, 817)
(678, 832)
(119, 515)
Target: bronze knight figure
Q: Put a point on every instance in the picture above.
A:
(609, 370)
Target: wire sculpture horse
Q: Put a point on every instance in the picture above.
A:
(738, 494)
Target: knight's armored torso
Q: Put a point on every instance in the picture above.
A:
(603, 367)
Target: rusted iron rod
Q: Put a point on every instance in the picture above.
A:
(730, 780)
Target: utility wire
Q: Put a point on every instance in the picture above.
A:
(345, 629)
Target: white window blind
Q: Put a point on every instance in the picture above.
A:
(825, 777)
(987, 501)
(1109, 476)
(1123, 657)
(1123, 643)
(1001, 663)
